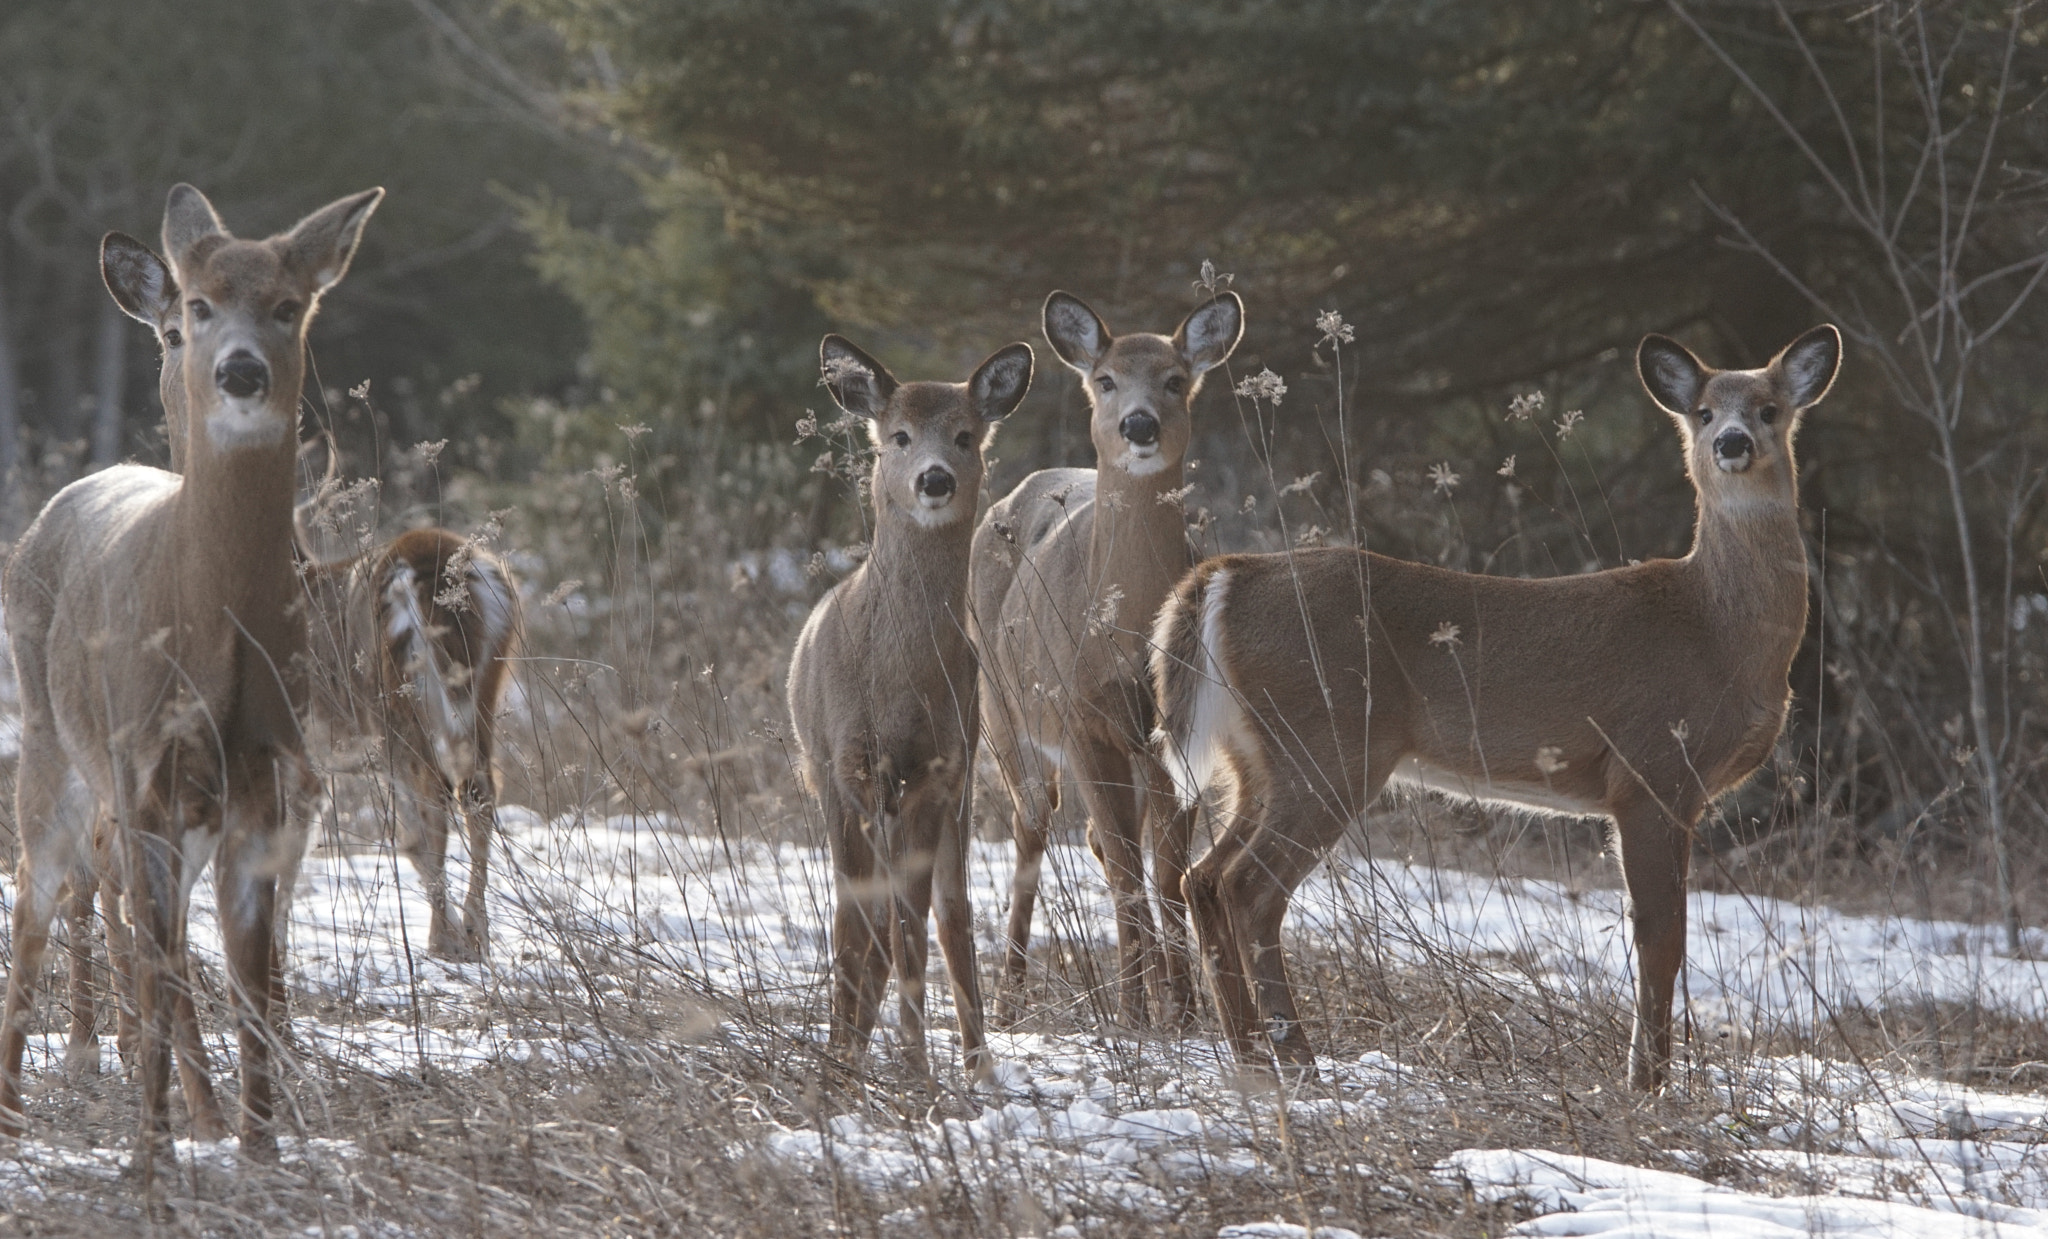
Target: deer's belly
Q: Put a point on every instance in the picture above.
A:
(1413, 772)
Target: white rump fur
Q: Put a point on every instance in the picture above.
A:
(1193, 759)
(450, 713)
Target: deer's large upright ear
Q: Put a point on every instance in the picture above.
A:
(320, 246)
(1208, 336)
(188, 219)
(140, 281)
(858, 383)
(999, 383)
(1671, 374)
(1076, 333)
(1807, 367)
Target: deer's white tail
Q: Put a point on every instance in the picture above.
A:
(443, 656)
(1198, 709)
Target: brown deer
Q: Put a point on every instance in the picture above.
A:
(1069, 569)
(410, 645)
(1639, 694)
(882, 696)
(158, 634)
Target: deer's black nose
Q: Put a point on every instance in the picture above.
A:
(1734, 445)
(241, 374)
(1141, 429)
(935, 483)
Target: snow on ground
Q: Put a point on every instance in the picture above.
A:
(1095, 1123)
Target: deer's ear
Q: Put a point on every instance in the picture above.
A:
(858, 383)
(188, 219)
(999, 384)
(1207, 337)
(140, 281)
(321, 245)
(1807, 366)
(1076, 333)
(1671, 374)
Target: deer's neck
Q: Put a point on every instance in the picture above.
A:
(922, 568)
(1751, 563)
(1137, 553)
(233, 529)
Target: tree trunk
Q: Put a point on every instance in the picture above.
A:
(110, 384)
(10, 399)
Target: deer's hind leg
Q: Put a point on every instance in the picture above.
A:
(55, 813)
(479, 806)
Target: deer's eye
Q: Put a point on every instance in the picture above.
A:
(286, 312)
(200, 310)
(1706, 415)
(173, 338)
(902, 438)
(1106, 383)
(1769, 414)
(965, 439)
(1175, 384)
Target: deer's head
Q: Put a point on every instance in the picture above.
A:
(928, 437)
(1140, 386)
(1738, 424)
(231, 315)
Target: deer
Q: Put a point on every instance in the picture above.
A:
(882, 687)
(1303, 682)
(158, 635)
(411, 642)
(410, 647)
(1069, 569)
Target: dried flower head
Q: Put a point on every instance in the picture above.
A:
(1301, 484)
(560, 593)
(1525, 406)
(361, 391)
(1102, 616)
(1178, 496)
(1211, 281)
(1550, 760)
(430, 452)
(1265, 385)
(1569, 422)
(1335, 330)
(1446, 635)
(1441, 477)
(840, 369)
(1507, 467)
(806, 426)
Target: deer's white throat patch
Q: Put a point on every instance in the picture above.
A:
(233, 425)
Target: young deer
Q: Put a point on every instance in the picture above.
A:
(157, 634)
(1639, 694)
(1069, 569)
(881, 693)
(409, 645)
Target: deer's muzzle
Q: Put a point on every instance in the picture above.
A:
(241, 375)
(935, 486)
(1733, 450)
(1141, 429)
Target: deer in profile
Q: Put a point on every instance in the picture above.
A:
(158, 634)
(409, 648)
(1069, 569)
(882, 697)
(1307, 680)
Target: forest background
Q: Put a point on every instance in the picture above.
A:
(617, 229)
